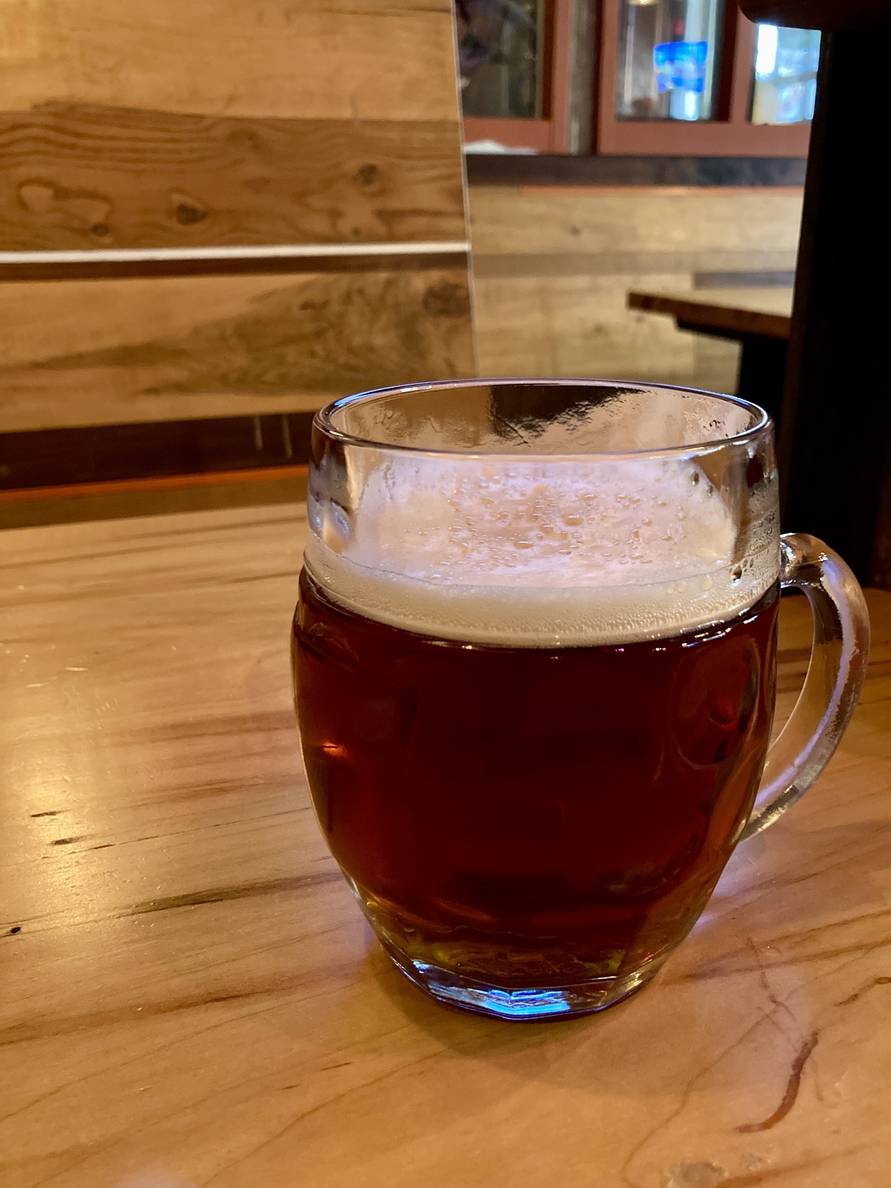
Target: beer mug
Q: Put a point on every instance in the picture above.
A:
(534, 658)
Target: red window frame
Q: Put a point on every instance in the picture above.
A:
(729, 134)
(550, 133)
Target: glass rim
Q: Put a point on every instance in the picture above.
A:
(322, 421)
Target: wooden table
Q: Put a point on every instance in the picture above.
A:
(759, 319)
(188, 995)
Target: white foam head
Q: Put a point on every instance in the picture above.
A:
(535, 553)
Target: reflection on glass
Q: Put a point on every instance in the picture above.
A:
(785, 75)
(667, 55)
(499, 43)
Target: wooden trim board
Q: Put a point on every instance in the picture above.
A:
(102, 453)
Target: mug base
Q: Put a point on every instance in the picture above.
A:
(519, 1003)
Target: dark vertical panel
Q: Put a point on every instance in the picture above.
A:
(835, 439)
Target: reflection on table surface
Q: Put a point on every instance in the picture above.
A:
(189, 995)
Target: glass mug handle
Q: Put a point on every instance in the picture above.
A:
(833, 681)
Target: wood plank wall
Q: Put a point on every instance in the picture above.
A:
(161, 141)
(553, 266)
(92, 352)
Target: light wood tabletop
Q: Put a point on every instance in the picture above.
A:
(728, 313)
(189, 996)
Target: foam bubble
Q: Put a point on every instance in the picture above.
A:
(533, 554)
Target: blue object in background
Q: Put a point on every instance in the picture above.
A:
(680, 66)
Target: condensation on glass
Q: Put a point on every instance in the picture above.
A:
(785, 75)
(500, 52)
(534, 670)
(667, 59)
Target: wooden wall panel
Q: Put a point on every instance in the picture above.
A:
(228, 123)
(186, 134)
(116, 351)
(706, 228)
(320, 59)
(553, 266)
(77, 177)
(576, 325)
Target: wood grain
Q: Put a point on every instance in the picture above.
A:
(575, 325)
(189, 995)
(78, 177)
(327, 59)
(754, 228)
(553, 266)
(212, 126)
(101, 352)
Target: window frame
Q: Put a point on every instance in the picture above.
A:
(550, 132)
(730, 133)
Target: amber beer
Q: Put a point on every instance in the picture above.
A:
(531, 815)
(534, 667)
